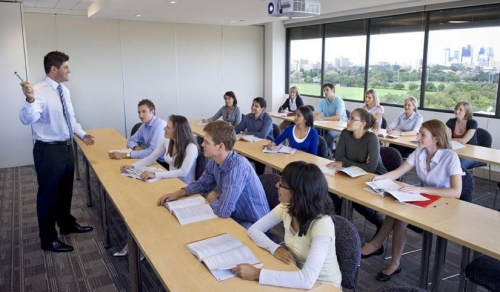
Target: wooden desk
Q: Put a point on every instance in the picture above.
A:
(158, 233)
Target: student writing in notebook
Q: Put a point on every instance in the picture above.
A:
(301, 136)
(180, 151)
(291, 104)
(305, 210)
(439, 171)
(406, 124)
(242, 196)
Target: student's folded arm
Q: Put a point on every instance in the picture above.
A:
(158, 136)
(205, 183)
(232, 187)
(217, 115)
(305, 277)
(187, 164)
(257, 232)
(266, 128)
(151, 158)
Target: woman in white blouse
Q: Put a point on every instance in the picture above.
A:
(181, 151)
(439, 171)
(305, 211)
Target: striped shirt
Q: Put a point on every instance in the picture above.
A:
(242, 198)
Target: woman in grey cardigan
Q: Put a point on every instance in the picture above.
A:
(230, 112)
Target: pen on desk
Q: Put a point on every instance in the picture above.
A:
(18, 76)
(440, 205)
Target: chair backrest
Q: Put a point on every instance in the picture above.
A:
(135, 128)
(347, 112)
(269, 181)
(467, 186)
(384, 123)
(484, 138)
(201, 163)
(276, 131)
(348, 248)
(322, 147)
(404, 289)
(391, 158)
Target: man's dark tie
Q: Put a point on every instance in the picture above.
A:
(65, 111)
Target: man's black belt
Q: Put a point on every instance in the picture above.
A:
(67, 142)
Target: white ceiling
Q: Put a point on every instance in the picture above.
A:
(214, 12)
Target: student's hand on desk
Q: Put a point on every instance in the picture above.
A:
(284, 256)
(377, 177)
(171, 197)
(335, 164)
(117, 155)
(147, 174)
(123, 168)
(411, 189)
(28, 91)
(270, 145)
(247, 272)
(89, 140)
(388, 130)
(212, 196)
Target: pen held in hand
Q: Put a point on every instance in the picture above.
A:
(18, 76)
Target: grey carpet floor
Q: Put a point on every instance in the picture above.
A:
(91, 267)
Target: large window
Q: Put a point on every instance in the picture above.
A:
(305, 59)
(461, 58)
(345, 53)
(396, 47)
(439, 56)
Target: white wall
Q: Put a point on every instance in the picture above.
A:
(275, 60)
(16, 144)
(184, 69)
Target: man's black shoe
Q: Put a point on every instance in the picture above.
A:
(76, 228)
(57, 246)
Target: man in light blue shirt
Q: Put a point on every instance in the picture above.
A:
(332, 108)
(148, 136)
(242, 196)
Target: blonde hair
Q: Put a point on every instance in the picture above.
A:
(376, 102)
(468, 109)
(439, 130)
(413, 101)
(296, 90)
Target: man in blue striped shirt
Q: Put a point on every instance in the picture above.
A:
(242, 196)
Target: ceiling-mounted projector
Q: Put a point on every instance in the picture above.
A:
(293, 8)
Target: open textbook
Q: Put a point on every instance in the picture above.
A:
(125, 150)
(387, 187)
(352, 171)
(454, 144)
(190, 210)
(136, 173)
(221, 253)
(248, 138)
(393, 134)
(280, 149)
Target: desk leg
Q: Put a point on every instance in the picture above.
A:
(463, 263)
(77, 162)
(439, 258)
(425, 258)
(87, 174)
(346, 209)
(134, 264)
(104, 215)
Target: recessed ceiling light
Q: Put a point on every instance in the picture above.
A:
(138, 15)
(458, 21)
(173, 2)
(232, 21)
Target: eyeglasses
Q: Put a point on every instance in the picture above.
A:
(352, 119)
(283, 186)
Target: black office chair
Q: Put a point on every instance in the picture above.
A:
(348, 113)
(384, 123)
(484, 139)
(269, 181)
(484, 271)
(135, 128)
(404, 289)
(276, 131)
(322, 148)
(201, 163)
(348, 249)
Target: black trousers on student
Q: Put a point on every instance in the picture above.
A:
(54, 165)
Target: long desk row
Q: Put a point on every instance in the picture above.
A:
(157, 233)
(473, 152)
(461, 222)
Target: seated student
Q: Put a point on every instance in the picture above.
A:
(439, 171)
(372, 105)
(291, 104)
(332, 108)
(242, 195)
(407, 123)
(257, 123)
(302, 135)
(360, 147)
(230, 112)
(463, 128)
(180, 149)
(148, 137)
(305, 210)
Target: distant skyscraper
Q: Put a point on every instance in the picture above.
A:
(446, 56)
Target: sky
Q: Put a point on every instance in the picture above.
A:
(399, 48)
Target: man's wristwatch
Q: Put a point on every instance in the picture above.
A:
(128, 155)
